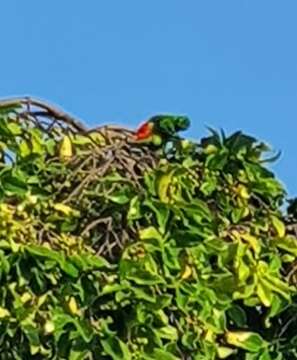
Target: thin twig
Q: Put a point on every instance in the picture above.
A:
(51, 109)
(94, 223)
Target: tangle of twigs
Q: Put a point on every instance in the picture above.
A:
(83, 186)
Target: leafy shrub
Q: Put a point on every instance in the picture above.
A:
(113, 250)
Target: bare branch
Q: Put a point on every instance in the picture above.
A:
(49, 110)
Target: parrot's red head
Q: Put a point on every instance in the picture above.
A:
(145, 131)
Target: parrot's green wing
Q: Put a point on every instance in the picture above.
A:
(170, 125)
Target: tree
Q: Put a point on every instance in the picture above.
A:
(111, 249)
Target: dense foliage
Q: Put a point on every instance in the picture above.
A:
(111, 249)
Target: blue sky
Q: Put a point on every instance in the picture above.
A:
(229, 64)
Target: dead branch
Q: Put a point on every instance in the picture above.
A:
(48, 111)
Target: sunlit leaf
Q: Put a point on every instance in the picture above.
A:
(246, 340)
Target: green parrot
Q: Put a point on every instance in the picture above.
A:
(160, 129)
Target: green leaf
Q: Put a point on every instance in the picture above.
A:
(120, 198)
(134, 211)
(65, 264)
(112, 288)
(68, 267)
(237, 315)
(215, 139)
(243, 271)
(60, 320)
(218, 160)
(170, 256)
(209, 186)
(161, 211)
(116, 349)
(79, 354)
(44, 252)
(87, 261)
(14, 128)
(4, 263)
(279, 226)
(168, 332)
(198, 209)
(287, 243)
(264, 293)
(276, 285)
(246, 340)
(277, 306)
(14, 185)
(159, 354)
(144, 294)
(83, 329)
(144, 277)
(150, 233)
(32, 333)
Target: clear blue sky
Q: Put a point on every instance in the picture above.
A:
(229, 64)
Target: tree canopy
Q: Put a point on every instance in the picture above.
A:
(111, 249)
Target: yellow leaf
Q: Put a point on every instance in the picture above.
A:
(163, 162)
(279, 226)
(49, 327)
(247, 340)
(24, 148)
(66, 148)
(210, 149)
(41, 300)
(81, 139)
(65, 209)
(242, 191)
(262, 267)
(26, 297)
(252, 241)
(98, 138)
(237, 337)
(187, 272)
(3, 146)
(15, 247)
(185, 144)
(246, 212)
(243, 271)
(68, 239)
(163, 186)
(264, 294)
(209, 335)
(34, 349)
(224, 352)
(4, 313)
(32, 199)
(150, 233)
(72, 304)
